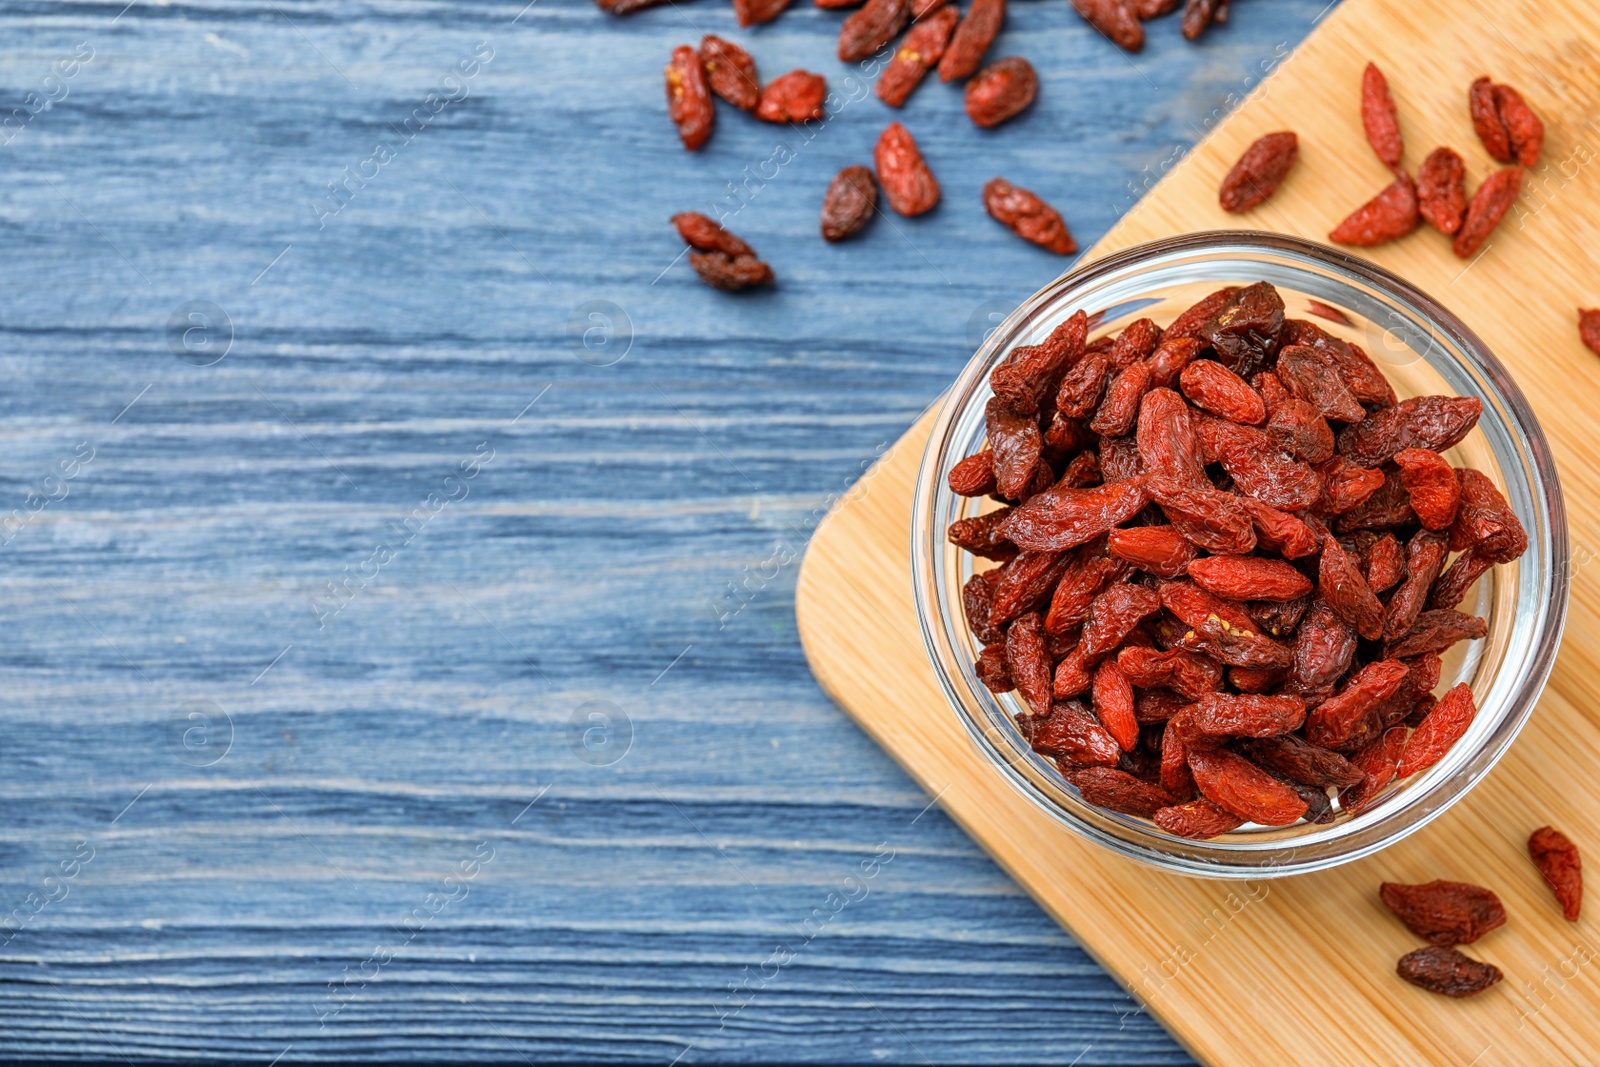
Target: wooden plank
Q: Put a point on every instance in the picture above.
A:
(1308, 961)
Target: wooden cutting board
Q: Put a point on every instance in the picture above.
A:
(1301, 970)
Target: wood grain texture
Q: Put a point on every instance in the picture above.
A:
(235, 905)
(1309, 960)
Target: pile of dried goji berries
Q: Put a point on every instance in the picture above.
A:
(936, 36)
(1447, 914)
(1222, 587)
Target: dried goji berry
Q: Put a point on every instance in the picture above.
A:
(1379, 118)
(1214, 521)
(1116, 790)
(976, 597)
(904, 175)
(1259, 171)
(1257, 471)
(1115, 20)
(982, 536)
(1446, 971)
(1028, 662)
(1298, 428)
(1069, 734)
(730, 71)
(849, 204)
(1487, 207)
(1437, 423)
(1015, 444)
(1226, 715)
(1558, 861)
(1000, 91)
(730, 273)
(1249, 578)
(1192, 605)
(1145, 10)
(1345, 588)
(1442, 190)
(1174, 774)
(919, 53)
(1120, 408)
(1485, 520)
(1329, 723)
(1030, 373)
(689, 97)
(1062, 517)
(1327, 311)
(1256, 680)
(1279, 619)
(1451, 588)
(1441, 729)
(1190, 675)
(1431, 483)
(1444, 913)
(1301, 761)
(751, 12)
(1486, 120)
(1324, 646)
(1278, 531)
(1436, 631)
(991, 668)
(1114, 614)
(1248, 331)
(1310, 374)
(872, 27)
(1589, 328)
(972, 39)
(1362, 375)
(1024, 583)
(1198, 14)
(1198, 819)
(1523, 127)
(1390, 214)
(1160, 550)
(1425, 554)
(793, 97)
(1234, 783)
(1112, 695)
(1024, 213)
(1384, 562)
(1217, 389)
(1377, 762)
(1194, 319)
(1166, 438)
(1236, 647)
(1170, 357)
(700, 232)
(1086, 575)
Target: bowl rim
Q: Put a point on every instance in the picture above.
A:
(1268, 857)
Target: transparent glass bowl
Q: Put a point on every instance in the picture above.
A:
(1422, 348)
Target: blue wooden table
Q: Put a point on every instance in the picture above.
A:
(398, 542)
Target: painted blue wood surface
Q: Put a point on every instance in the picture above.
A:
(298, 755)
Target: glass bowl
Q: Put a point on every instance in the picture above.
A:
(1422, 348)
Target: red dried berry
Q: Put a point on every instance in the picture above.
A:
(1024, 583)
(1186, 673)
(1249, 578)
(751, 12)
(1391, 214)
(1234, 783)
(1217, 389)
(1435, 631)
(1431, 484)
(1446, 971)
(1440, 729)
(1298, 428)
(1159, 550)
(1385, 562)
(1331, 722)
(730, 71)
(1523, 127)
(1113, 615)
(918, 53)
(1558, 861)
(1310, 374)
(1068, 734)
(1112, 695)
(1116, 790)
(1198, 819)
(847, 206)
(793, 97)
(1345, 588)
(1437, 423)
(1259, 172)
(982, 536)
(1026, 215)
(1215, 521)
(730, 273)
(1444, 913)
(872, 27)
(1063, 517)
(1377, 761)
(907, 182)
(1324, 646)
(1487, 207)
(1379, 118)
(1486, 120)
(1001, 91)
(972, 39)
(1028, 661)
(689, 97)
(702, 233)
(1115, 20)
(1222, 715)
(1589, 328)
(1442, 190)
(1300, 761)
(1198, 14)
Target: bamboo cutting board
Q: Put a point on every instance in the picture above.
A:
(1301, 970)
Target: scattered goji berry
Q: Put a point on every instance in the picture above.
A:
(1379, 118)
(1259, 172)
(1024, 213)
(1486, 120)
(793, 97)
(751, 12)
(848, 205)
(1558, 861)
(1589, 328)
(1392, 213)
(730, 273)
(1000, 91)
(1442, 190)
(907, 182)
(872, 27)
(730, 71)
(1446, 971)
(689, 97)
(1444, 913)
(1298, 428)
(1115, 20)
(1487, 207)
(918, 53)
(972, 39)
(1198, 14)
